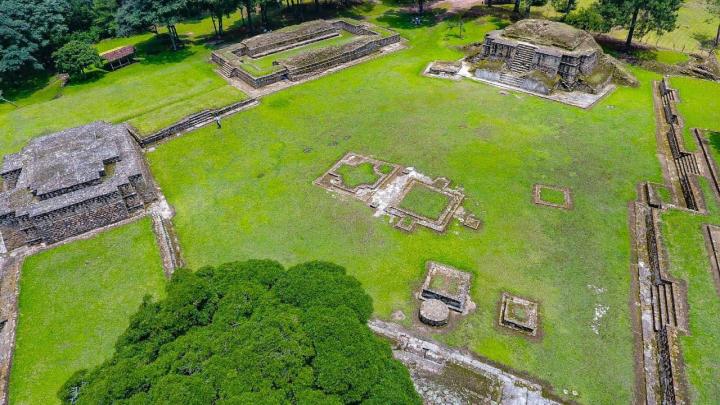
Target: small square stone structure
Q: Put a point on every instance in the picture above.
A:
(444, 70)
(511, 317)
(447, 284)
(70, 182)
(537, 199)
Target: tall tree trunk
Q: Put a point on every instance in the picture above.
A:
(631, 30)
(516, 9)
(171, 31)
(212, 17)
(527, 8)
(220, 24)
(317, 6)
(717, 37)
(421, 3)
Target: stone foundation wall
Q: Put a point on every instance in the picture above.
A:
(85, 218)
(353, 29)
(265, 49)
(300, 72)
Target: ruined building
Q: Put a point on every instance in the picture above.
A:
(544, 56)
(70, 182)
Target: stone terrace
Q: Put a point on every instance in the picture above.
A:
(70, 182)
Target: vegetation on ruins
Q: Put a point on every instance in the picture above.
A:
(250, 332)
(353, 176)
(425, 201)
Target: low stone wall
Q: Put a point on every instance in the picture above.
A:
(526, 83)
(301, 72)
(353, 29)
(192, 121)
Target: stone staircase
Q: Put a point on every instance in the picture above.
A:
(663, 305)
(510, 80)
(523, 60)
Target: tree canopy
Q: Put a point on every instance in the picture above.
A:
(640, 16)
(250, 332)
(75, 56)
(29, 31)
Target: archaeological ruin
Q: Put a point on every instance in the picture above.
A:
(71, 182)
(272, 57)
(538, 199)
(394, 190)
(543, 57)
(519, 314)
(446, 284)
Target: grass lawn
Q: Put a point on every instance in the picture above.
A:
(353, 176)
(552, 196)
(152, 93)
(245, 191)
(424, 201)
(75, 301)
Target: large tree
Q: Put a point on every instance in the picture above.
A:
(640, 16)
(139, 15)
(29, 32)
(250, 333)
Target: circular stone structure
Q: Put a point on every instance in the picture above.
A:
(434, 312)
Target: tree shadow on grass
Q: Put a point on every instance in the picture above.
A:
(158, 50)
(714, 138)
(706, 42)
(405, 20)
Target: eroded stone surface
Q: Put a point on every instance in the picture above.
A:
(70, 182)
(434, 312)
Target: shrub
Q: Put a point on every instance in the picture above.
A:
(75, 56)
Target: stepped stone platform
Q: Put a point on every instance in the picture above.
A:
(547, 58)
(71, 182)
(233, 60)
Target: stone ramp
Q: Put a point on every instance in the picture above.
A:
(428, 360)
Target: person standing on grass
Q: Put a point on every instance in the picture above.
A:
(217, 121)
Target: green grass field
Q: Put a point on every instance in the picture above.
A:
(353, 176)
(75, 301)
(424, 201)
(245, 191)
(261, 202)
(552, 196)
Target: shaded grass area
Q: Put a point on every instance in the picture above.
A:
(353, 176)
(496, 147)
(424, 201)
(76, 300)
